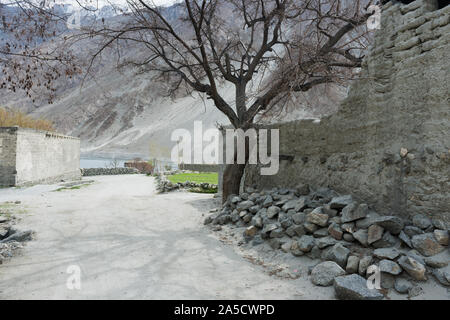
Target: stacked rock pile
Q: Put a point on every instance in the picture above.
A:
(344, 233)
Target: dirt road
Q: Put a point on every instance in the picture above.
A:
(130, 243)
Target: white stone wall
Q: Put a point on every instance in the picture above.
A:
(38, 157)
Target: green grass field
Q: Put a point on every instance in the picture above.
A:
(211, 178)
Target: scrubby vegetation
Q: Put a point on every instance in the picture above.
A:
(9, 118)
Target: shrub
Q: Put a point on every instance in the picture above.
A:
(10, 118)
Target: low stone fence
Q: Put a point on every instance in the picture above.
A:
(200, 167)
(107, 171)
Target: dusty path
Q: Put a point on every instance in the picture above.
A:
(131, 243)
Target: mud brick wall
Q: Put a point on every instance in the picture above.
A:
(401, 102)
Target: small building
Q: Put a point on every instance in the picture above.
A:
(29, 156)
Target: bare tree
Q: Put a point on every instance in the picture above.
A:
(266, 49)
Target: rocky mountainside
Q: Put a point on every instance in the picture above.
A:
(123, 113)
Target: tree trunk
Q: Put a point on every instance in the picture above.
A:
(232, 176)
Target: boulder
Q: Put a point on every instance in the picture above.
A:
(269, 228)
(441, 236)
(268, 201)
(321, 233)
(361, 236)
(277, 233)
(386, 253)
(315, 253)
(413, 267)
(405, 239)
(440, 260)
(310, 227)
(295, 249)
(317, 217)
(442, 276)
(387, 241)
(337, 253)
(412, 231)
(324, 273)
(392, 224)
(421, 221)
(348, 237)
(19, 236)
(402, 285)
(353, 212)
(364, 263)
(306, 243)
(286, 247)
(426, 244)
(340, 202)
(354, 287)
(272, 211)
(352, 264)
(390, 267)
(348, 227)
(299, 218)
(335, 231)
(374, 233)
(244, 205)
(324, 242)
(257, 221)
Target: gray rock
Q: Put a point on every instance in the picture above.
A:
(257, 221)
(440, 260)
(247, 218)
(254, 209)
(441, 236)
(386, 253)
(361, 236)
(353, 212)
(413, 267)
(295, 249)
(348, 237)
(340, 202)
(387, 280)
(19, 236)
(421, 221)
(416, 255)
(339, 254)
(390, 267)
(324, 273)
(299, 218)
(325, 242)
(286, 247)
(439, 224)
(348, 227)
(364, 263)
(387, 241)
(335, 231)
(412, 231)
(244, 205)
(402, 285)
(257, 240)
(297, 204)
(415, 291)
(317, 217)
(268, 201)
(272, 211)
(442, 276)
(277, 233)
(310, 227)
(4, 231)
(374, 233)
(426, 244)
(321, 233)
(369, 220)
(302, 190)
(274, 243)
(405, 239)
(3, 219)
(328, 211)
(306, 243)
(315, 253)
(298, 230)
(269, 228)
(392, 224)
(354, 287)
(286, 222)
(352, 264)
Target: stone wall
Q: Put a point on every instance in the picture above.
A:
(108, 171)
(389, 143)
(30, 156)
